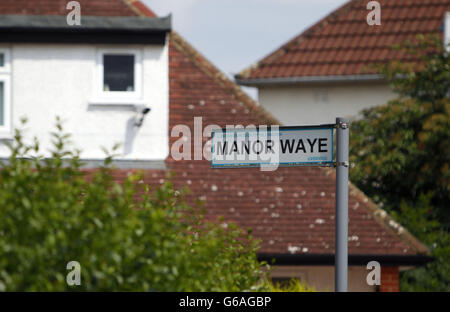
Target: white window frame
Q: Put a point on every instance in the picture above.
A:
(5, 78)
(118, 97)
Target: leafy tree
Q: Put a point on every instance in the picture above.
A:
(400, 154)
(125, 237)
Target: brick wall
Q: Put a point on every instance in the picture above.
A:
(389, 279)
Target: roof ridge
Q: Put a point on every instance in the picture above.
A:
(278, 52)
(382, 217)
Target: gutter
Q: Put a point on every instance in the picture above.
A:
(88, 23)
(93, 29)
(356, 260)
(307, 79)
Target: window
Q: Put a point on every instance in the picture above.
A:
(5, 97)
(119, 76)
(4, 103)
(4, 61)
(118, 72)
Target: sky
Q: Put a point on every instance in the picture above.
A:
(234, 34)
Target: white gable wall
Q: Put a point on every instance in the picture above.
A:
(321, 104)
(59, 80)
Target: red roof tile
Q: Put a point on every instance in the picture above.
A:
(344, 39)
(288, 207)
(88, 7)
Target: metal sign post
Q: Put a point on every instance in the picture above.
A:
(341, 245)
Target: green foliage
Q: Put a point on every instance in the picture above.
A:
(125, 237)
(400, 155)
(400, 151)
(425, 74)
(294, 285)
(434, 276)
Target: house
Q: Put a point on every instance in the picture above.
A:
(124, 75)
(326, 70)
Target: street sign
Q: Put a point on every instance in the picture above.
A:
(282, 146)
(294, 146)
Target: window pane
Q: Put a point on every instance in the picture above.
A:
(2, 60)
(2, 101)
(118, 72)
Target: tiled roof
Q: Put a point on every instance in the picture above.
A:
(344, 44)
(292, 209)
(88, 7)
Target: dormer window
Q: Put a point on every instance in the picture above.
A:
(119, 76)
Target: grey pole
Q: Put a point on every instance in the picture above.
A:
(341, 245)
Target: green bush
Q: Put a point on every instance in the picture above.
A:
(125, 237)
(294, 285)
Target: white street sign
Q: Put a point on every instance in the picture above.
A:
(294, 146)
(283, 146)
